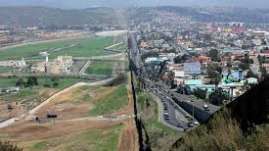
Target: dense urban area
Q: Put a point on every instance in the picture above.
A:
(147, 78)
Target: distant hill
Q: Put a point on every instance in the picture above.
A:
(105, 17)
(41, 16)
(130, 3)
(215, 14)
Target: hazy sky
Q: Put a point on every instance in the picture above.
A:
(123, 3)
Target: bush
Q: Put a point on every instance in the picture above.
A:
(223, 133)
(20, 83)
(55, 84)
(200, 93)
(7, 146)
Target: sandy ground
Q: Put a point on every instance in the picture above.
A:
(129, 136)
(74, 118)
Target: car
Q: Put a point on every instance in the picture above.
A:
(178, 125)
(187, 117)
(166, 117)
(206, 107)
(196, 123)
(190, 124)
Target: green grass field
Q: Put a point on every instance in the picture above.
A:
(84, 47)
(112, 102)
(100, 68)
(92, 140)
(5, 69)
(62, 83)
(7, 82)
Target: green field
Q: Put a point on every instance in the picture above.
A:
(5, 69)
(83, 47)
(94, 140)
(7, 82)
(100, 68)
(111, 103)
(62, 83)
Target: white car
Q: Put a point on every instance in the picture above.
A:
(196, 123)
(206, 107)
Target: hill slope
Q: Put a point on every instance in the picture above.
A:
(243, 125)
(41, 16)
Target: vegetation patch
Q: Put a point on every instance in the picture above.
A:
(95, 140)
(85, 47)
(6, 69)
(33, 92)
(100, 68)
(39, 146)
(112, 102)
(223, 133)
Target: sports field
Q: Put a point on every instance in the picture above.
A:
(90, 46)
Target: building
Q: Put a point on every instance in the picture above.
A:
(179, 77)
(13, 63)
(193, 68)
(60, 65)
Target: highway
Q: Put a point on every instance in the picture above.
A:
(178, 111)
(172, 115)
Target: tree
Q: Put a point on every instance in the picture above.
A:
(214, 55)
(245, 63)
(247, 60)
(20, 82)
(7, 146)
(263, 72)
(214, 72)
(181, 59)
(218, 96)
(32, 81)
(55, 84)
(200, 93)
(261, 59)
(250, 74)
(244, 66)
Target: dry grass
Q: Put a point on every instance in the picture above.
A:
(224, 134)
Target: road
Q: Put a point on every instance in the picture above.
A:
(172, 115)
(113, 57)
(84, 68)
(180, 111)
(189, 104)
